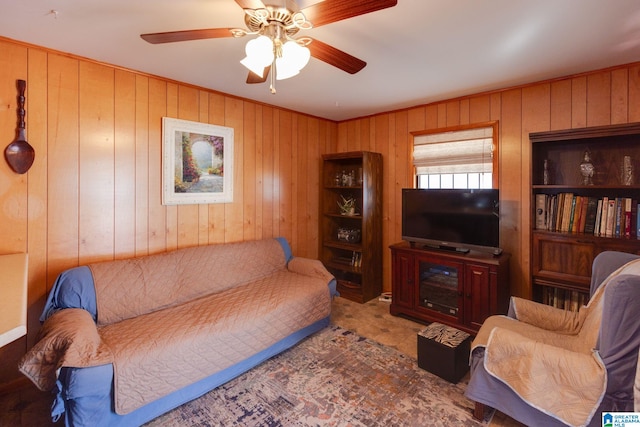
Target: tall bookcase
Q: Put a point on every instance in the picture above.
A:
(351, 242)
(565, 193)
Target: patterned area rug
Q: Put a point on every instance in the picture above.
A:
(334, 378)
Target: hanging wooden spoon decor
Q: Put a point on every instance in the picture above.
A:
(19, 154)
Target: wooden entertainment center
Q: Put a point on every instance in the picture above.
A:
(454, 288)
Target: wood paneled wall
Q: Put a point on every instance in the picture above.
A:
(591, 99)
(94, 191)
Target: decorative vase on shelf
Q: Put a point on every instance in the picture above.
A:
(586, 169)
(627, 171)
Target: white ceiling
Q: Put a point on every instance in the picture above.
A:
(417, 52)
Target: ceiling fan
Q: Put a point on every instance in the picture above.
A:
(275, 25)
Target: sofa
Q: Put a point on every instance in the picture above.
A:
(546, 366)
(125, 341)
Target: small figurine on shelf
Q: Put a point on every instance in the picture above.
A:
(627, 171)
(338, 180)
(348, 206)
(586, 169)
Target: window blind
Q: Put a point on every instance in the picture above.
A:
(464, 151)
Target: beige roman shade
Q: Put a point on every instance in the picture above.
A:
(463, 151)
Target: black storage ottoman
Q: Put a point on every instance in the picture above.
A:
(444, 351)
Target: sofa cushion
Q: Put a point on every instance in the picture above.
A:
(160, 352)
(131, 287)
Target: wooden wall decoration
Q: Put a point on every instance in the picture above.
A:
(20, 154)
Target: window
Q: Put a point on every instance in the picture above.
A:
(459, 157)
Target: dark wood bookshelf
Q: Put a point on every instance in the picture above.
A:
(357, 266)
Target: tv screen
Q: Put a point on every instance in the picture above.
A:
(453, 219)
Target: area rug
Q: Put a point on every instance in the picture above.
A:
(333, 378)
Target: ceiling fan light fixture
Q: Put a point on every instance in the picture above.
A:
(294, 58)
(284, 70)
(259, 54)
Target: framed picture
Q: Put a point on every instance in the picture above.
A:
(197, 162)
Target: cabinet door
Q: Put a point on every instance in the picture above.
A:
(403, 283)
(562, 260)
(439, 291)
(480, 292)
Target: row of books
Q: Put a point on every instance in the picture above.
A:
(570, 213)
(564, 298)
(355, 260)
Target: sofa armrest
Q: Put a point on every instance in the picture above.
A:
(309, 267)
(73, 288)
(545, 316)
(313, 268)
(68, 338)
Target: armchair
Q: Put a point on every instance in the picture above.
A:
(545, 366)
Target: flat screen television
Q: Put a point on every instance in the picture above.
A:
(454, 219)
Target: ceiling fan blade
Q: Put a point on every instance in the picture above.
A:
(181, 36)
(254, 78)
(329, 11)
(250, 4)
(335, 57)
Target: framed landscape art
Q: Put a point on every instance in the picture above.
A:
(197, 162)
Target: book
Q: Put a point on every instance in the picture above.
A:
(541, 211)
(634, 218)
(603, 219)
(553, 213)
(584, 203)
(627, 217)
(596, 229)
(575, 223)
(572, 214)
(568, 204)
(591, 211)
(559, 210)
(611, 218)
(618, 227)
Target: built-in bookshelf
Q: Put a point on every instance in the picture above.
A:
(584, 198)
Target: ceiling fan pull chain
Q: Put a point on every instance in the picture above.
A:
(272, 84)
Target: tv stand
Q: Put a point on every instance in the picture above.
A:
(448, 286)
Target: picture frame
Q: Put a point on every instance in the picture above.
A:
(197, 162)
